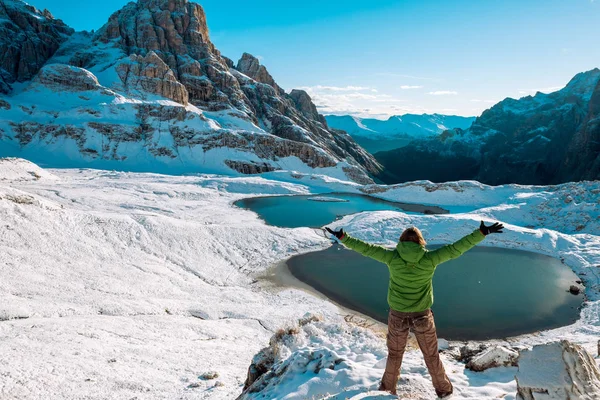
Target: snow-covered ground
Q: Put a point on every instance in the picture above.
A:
(125, 285)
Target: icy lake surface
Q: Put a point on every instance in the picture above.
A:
(317, 210)
(487, 293)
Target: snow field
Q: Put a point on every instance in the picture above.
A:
(121, 285)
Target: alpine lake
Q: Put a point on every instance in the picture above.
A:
(487, 293)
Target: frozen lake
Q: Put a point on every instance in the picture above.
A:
(486, 293)
(318, 210)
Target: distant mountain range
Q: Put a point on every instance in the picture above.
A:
(149, 91)
(542, 139)
(380, 135)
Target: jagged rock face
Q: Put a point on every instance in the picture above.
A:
(544, 139)
(305, 105)
(156, 49)
(28, 38)
(176, 30)
(557, 371)
(152, 75)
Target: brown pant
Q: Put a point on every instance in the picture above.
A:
(423, 326)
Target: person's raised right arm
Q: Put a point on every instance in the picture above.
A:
(373, 251)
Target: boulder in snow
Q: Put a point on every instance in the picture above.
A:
(496, 356)
(66, 77)
(559, 370)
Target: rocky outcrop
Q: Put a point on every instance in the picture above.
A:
(305, 105)
(560, 370)
(493, 357)
(66, 77)
(28, 38)
(151, 74)
(542, 139)
(270, 366)
(250, 167)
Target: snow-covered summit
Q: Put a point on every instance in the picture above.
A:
(164, 99)
(412, 125)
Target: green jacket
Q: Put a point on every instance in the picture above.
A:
(411, 268)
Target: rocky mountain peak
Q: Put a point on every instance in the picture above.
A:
(28, 38)
(170, 26)
(250, 66)
(584, 82)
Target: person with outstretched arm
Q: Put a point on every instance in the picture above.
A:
(410, 297)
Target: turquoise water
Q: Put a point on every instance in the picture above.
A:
(486, 293)
(298, 211)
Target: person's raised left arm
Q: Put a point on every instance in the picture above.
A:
(458, 248)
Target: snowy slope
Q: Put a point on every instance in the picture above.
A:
(122, 285)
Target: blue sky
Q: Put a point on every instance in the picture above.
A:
(385, 57)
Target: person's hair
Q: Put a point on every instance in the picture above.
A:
(413, 234)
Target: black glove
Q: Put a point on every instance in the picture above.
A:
(495, 228)
(338, 234)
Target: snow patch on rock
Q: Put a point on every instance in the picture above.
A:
(557, 371)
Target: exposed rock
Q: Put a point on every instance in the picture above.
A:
(28, 38)
(559, 370)
(250, 167)
(496, 356)
(65, 77)
(177, 32)
(210, 375)
(469, 351)
(152, 75)
(305, 105)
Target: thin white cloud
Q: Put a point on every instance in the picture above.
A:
(408, 87)
(443, 93)
(394, 75)
(369, 103)
(338, 88)
(483, 101)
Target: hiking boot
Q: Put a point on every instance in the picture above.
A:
(444, 396)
